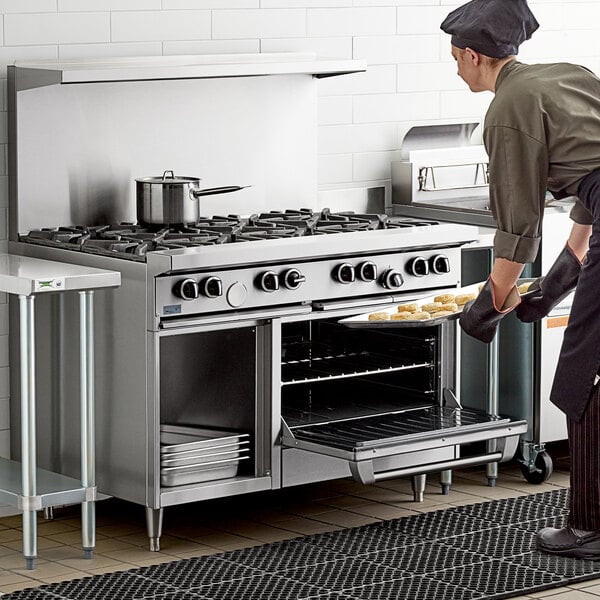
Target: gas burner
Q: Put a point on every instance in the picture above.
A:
(406, 222)
(266, 231)
(351, 221)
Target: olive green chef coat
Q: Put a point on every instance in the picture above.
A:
(541, 132)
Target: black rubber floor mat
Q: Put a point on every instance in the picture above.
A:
(485, 550)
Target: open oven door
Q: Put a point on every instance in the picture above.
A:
(414, 441)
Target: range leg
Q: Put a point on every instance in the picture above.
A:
(28, 439)
(418, 487)
(154, 522)
(86, 395)
(446, 481)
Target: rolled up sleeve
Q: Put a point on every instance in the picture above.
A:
(580, 214)
(518, 180)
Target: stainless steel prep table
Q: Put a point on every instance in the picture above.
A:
(23, 485)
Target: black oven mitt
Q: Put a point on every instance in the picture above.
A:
(480, 317)
(546, 292)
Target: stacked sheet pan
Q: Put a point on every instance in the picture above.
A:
(191, 455)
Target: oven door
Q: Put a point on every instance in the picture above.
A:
(381, 403)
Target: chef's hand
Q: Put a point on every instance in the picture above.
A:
(480, 317)
(546, 292)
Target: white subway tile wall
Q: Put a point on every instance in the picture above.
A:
(363, 118)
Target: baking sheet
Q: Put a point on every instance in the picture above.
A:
(362, 320)
(184, 459)
(224, 469)
(176, 438)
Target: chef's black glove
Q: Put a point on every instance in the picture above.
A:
(480, 317)
(551, 289)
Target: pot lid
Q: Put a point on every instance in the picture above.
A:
(169, 178)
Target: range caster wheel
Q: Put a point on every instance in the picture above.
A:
(543, 469)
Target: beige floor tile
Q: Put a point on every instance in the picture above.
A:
(305, 526)
(87, 564)
(50, 527)
(72, 538)
(571, 595)
(137, 556)
(112, 568)
(591, 587)
(220, 540)
(42, 543)
(10, 535)
(346, 519)
(549, 593)
(107, 545)
(49, 569)
(65, 577)
(25, 584)
(345, 501)
(16, 562)
(9, 577)
(60, 553)
(382, 511)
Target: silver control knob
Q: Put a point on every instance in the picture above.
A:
(439, 264)
(211, 287)
(344, 273)
(418, 266)
(186, 289)
(292, 279)
(268, 281)
(367, 271)
(392, 279)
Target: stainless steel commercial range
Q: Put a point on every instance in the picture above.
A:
(222, 368)
(443, 175)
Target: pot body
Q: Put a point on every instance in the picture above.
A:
(167, 200)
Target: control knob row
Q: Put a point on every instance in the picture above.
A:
(347, 273)
(291, 279)
(190, 289)
(419, 266)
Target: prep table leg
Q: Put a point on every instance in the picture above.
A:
(154, 520)
(28, 445)
(86, 387)
(492, 408)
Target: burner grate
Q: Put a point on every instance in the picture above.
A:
(132, 241)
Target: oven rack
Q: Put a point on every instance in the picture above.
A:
(412, 424)
(343, 366)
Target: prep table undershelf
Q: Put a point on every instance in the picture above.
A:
(52, 488)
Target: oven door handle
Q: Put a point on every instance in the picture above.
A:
(364, 471)
(235, 317)
(358, 303)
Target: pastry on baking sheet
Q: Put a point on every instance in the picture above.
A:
(402, 316)
(412, 307)
(431, 306)
(444, 298)
(446, 307)
(524, 287)
(422, 315)
(442, 313)
(379, 316)
(462, 299)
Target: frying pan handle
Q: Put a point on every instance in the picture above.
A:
(218, 190)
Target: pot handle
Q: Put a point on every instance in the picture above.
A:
(164, 177)
(218, 190)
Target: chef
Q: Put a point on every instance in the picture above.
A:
(542, 132)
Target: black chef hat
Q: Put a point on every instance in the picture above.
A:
(495, 28)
